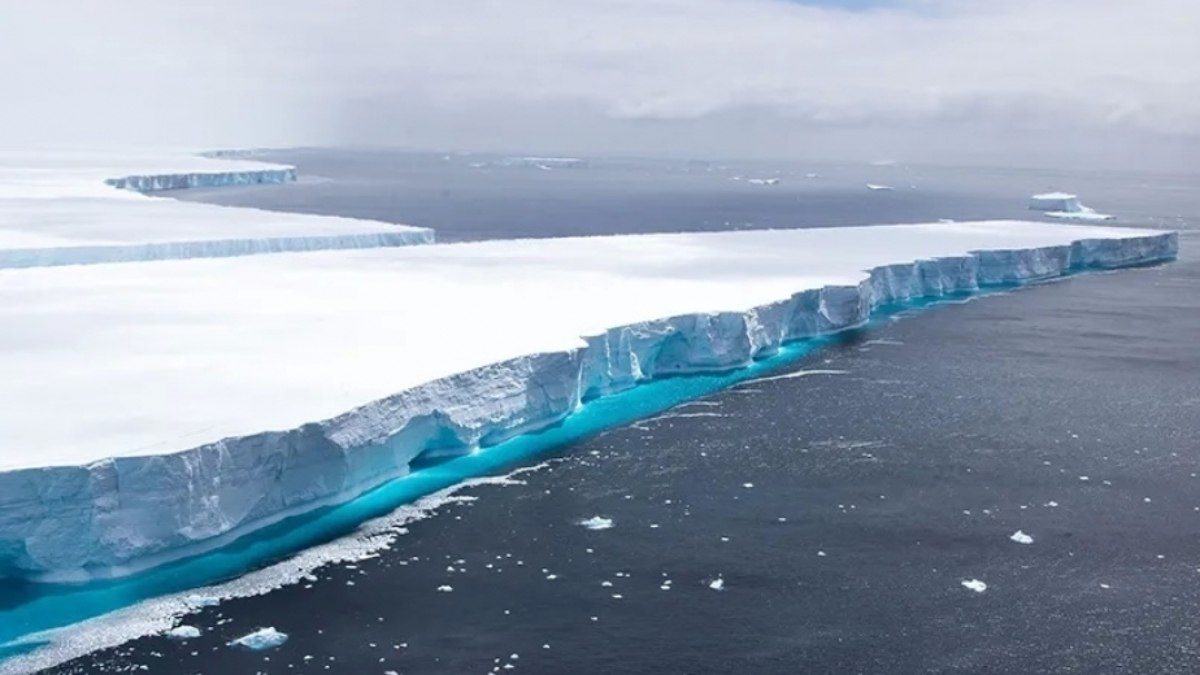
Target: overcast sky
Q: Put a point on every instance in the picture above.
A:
(1018, 81)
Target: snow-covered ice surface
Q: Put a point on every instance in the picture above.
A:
(64, 209)
(210, 397)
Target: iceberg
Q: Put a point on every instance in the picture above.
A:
(66, 209)
(184, 632)
(1064, 206)
(211, 397)
(261, 639)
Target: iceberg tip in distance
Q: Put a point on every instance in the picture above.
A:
(1064, 206)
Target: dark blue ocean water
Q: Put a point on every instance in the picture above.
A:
(841, 510)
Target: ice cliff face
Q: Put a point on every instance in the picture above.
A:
(116, 516)
(179, 181)
(217, 248)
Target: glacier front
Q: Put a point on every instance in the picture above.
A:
(87, 208)
(152, 411)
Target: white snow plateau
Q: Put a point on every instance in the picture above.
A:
(150, 409)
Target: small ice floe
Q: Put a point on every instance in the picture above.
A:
(606, 583)
(879, 188)
(1147, 500)
(748, 485)
(183, 633)
(445, 588)
(261, 639)
(597, 523)
(1021, 538)
(974, 585)
(820, 554)
(551, 577)
(763, 181)
(1105, 586)
(717, 584)
(1052, 504)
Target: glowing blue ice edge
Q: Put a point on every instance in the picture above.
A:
(31, 608)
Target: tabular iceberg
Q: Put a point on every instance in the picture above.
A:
(65, 209)
(1065, 206)
(211, 397)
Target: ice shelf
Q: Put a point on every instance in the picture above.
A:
(151, 409)
(74, 208)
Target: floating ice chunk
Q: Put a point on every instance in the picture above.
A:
(597, 523)
(717, 584)
(747, 485)
(763, 181)
(183, 633)
(1064, 206)
(879, 188)
(261, 639)
(974, 585)
(1021, 538)
(199, 601)
(445, 588)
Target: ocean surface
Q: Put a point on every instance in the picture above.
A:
(820, 516)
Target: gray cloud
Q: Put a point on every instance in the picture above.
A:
(603, 73)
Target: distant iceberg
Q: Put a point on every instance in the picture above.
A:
(876, 187)
(1066, 206)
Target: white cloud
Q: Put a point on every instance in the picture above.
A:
(295, 71)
